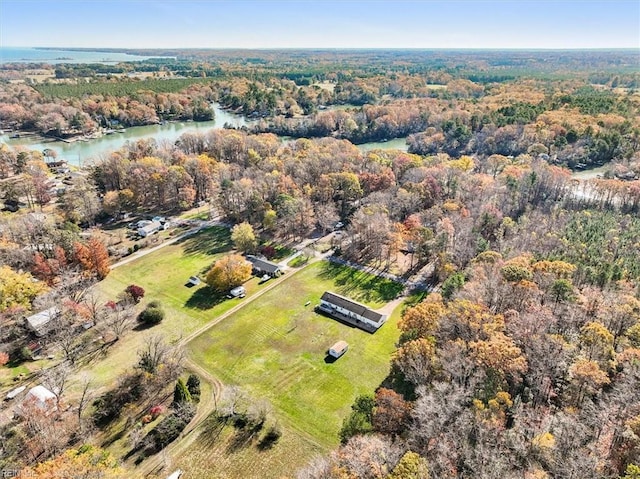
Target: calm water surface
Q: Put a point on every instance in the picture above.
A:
(84, 152)
(54, 57)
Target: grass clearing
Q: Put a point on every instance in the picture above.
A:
(220, 452)
(164, 274)
(276, 349)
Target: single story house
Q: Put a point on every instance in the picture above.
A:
(263, 266)
(338, 349)
(40, 397)
(39, 321)
(150, 228)
(352, 312)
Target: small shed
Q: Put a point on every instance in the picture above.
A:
(338, 349)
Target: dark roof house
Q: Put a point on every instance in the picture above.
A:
(352, 312)
(263, 266)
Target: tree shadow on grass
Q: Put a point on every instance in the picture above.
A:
(244, 436)
(213, 240)
(360, 285)
(212, 429)
(204, 298)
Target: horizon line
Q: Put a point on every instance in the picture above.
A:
(559, 48)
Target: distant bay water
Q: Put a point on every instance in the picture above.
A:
(42, 55)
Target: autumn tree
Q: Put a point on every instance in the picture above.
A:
(228, 272)
(243, 237)
(411, 466)
(390, 413)
(85, 462)
(17, 289)
(135, 292)
(93, 257)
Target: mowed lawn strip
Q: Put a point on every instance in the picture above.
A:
(275, 347)
(216, 455)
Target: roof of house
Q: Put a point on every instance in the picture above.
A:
(40, 319)
(263, 264)
(340, 346)
(40, 395)
(353, 306)
(151, 227)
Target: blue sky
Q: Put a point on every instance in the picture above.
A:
(321, 24)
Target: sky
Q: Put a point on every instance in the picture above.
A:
(321, 24)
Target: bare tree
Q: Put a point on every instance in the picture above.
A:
(155, 353)
(95, 307)
(119, 318)
(55, 379)
(69, 337)
(86, 396)
(232, 399)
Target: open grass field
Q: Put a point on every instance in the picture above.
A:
(217, 451)
(275, 348)
(164, 274)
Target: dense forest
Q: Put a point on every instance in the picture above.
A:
(523, 357)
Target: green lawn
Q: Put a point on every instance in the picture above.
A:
(276, 347)
(164, 274)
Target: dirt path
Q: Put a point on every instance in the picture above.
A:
(159, 465)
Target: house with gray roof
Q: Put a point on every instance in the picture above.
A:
(351, 312)
(263, 266)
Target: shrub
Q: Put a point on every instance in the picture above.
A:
(135, 292)
(108, 407)
(151, 315)
(170, 427)
(155, 411)
(4, 359)
(193, 385)
(180, 393)
(268, 251)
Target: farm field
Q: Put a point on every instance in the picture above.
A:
(275, 348)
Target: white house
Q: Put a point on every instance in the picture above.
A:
(356, 314)
(38, 322)
(149, 228)
(39, 397)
